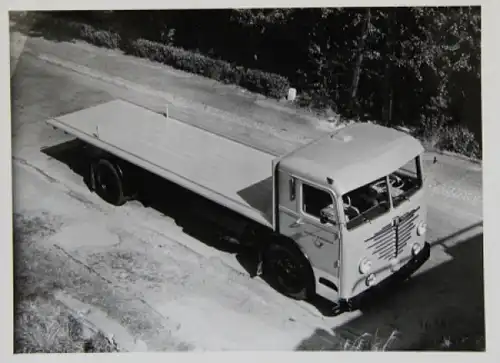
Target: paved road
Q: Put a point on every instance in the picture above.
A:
(195, 286)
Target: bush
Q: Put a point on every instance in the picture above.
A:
(437, 134)
(101, 38)
(460, 140)
(266, 83)
(318, 100)
(269, 84)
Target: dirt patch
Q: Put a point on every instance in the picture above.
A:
(35, 227)
(96, 235)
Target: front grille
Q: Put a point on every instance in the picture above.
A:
(390, 241)
(383, 242)
(406, 227)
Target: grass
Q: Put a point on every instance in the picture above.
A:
(41, 323)
(432, 340)
(369, 342)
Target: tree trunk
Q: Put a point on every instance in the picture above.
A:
(388, 89)
(386, 97)
(391, 98)
(359, 61)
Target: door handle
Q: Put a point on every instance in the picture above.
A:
(318, 243)
(297, 223)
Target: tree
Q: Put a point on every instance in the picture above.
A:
(360, 52)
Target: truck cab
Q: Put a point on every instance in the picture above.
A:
(353, 202)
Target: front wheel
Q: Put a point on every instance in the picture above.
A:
(288, 271)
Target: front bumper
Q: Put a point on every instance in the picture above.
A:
(403, 273)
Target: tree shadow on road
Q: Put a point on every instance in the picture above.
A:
(439, 309)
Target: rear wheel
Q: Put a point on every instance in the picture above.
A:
(107, 182)
(288, 270)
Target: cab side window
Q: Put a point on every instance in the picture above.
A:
(314, 200)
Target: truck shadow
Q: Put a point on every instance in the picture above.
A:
(197, 216)
(439, 309)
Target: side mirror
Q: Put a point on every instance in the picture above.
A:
(328, 215)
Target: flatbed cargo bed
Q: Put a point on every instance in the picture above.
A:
(227, 172)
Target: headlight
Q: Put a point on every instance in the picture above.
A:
(395, 264)
(365, 266)
(415, 249)
(421, 229)
(370, 280)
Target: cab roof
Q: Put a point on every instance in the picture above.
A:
(352, 156)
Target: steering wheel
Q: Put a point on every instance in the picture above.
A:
(348, 200)
(396, 181)
(349, 206)
(380, 185)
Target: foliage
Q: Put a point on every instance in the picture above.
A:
(460, 140)
(101, 38)
(254, 80)
(394, 65)
(388, 64)
(438, 135)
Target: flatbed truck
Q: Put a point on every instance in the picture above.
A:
(337, 217)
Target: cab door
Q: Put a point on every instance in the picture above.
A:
(300, 204)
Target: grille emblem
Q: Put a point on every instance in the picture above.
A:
(396, 221)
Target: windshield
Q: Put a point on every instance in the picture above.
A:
(366, 203)
(405, 181)
(372, 200)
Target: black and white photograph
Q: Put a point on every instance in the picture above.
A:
(303, 178)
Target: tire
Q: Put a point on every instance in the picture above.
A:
(107, 182)
(288, 271)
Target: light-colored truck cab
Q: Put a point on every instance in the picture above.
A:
(353, 201)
